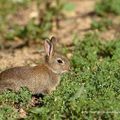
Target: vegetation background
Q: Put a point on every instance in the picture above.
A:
(88, 33)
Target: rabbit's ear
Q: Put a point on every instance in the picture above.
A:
(53, 40)
(48, 48)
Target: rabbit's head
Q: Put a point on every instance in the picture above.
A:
(56, 62)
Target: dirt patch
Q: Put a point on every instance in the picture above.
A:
(25, 56)
(76, 22)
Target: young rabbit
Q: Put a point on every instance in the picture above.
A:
(42, 78)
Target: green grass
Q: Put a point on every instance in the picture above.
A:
(102, 24)
(108, 6)
(10, 102)
(91, 90)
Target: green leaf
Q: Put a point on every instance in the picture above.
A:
(38, 110)
(69, 6)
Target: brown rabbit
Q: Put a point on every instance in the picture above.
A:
(39, 79)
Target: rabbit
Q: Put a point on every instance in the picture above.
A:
(40, 79)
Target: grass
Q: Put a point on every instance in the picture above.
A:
(91, 90)
(108, 6)
(102, 24)
(11, 101)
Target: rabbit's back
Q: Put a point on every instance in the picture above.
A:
(37, 79)
(16, 72)
(15, 78)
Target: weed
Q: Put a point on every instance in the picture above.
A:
(108, 6)
(7, 112)
(102, 24)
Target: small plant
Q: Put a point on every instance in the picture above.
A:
(108, 6)
(11, 102)
(7, 112)
(22, 97)
(102, 24)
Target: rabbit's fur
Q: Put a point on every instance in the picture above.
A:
(39, 79)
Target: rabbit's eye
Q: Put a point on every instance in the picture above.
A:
(59, 61)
